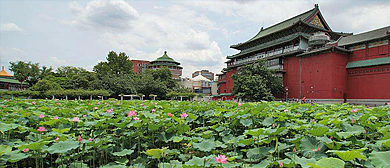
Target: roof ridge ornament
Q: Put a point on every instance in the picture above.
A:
(165, 52)
(316, 6)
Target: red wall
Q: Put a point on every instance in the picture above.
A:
(324, 76)
(227, 87)
(369, 83)
(136, 68)
(370, 53)
(291, 77)
(229, 80)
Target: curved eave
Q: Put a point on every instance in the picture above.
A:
(169, 61)
(301, 17)
(269, 44)
(300, 22)
(325, 50)
(166, 65)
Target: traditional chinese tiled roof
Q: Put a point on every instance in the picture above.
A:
(283, 25)
(366, 36)
(165, 58)
(369, 62)
(324, 49)
(4, 73)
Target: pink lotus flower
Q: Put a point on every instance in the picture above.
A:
(388, 103)
(57, 139)
(56, 118)
(90, 139)
(141, 104)
(26, 150)
(285, 110)
(235, 101)
(273, 125)
(41, 129)
(239, 104)
(75, 119)
(314, 121)
(84, 115)
(41, 116)
(135, 118)
(109, 110)
(131, 113)
(281, 164)
(153, 110)
(80, 139)
(170, 115)
(365, 131)
(353, 120)
(183, 115)
(33, 103)
(354, 110)
(295, 150)
(318, 149)
(95, 108)
(98, 102)
(221, 159)
(331, 137)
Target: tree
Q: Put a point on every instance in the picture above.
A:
(115, 65)
(44, 85)
(255, 82)
(73, 78)
(29, 72)
(156, 81)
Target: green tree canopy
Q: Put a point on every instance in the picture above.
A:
(255, 82)
(73, 78)
(45, 85)
(29, 72)
(115, 65)
(156, 81)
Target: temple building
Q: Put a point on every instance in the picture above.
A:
(316, 62)
(7, 82)
(166, 61)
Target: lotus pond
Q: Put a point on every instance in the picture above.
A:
(111, 133)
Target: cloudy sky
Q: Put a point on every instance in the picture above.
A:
(196, 33)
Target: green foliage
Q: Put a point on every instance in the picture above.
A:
(73, 78)
(29, 72)
(45, 85)
(255, 82)
(262, 134)
(115, 65)
(156, 81)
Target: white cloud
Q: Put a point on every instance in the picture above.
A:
(114, 15)
(57, 61)
(180, 31)
(350, 16)
(10, 27)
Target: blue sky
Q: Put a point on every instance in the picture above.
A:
(196, 33)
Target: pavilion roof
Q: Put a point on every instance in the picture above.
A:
(165, 58)
(4, 73)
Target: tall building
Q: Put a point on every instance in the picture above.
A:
(139, 66)
(316, 62)
(206, 73)
(166, 61)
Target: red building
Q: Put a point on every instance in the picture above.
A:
(317, 63)
(139, 66)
